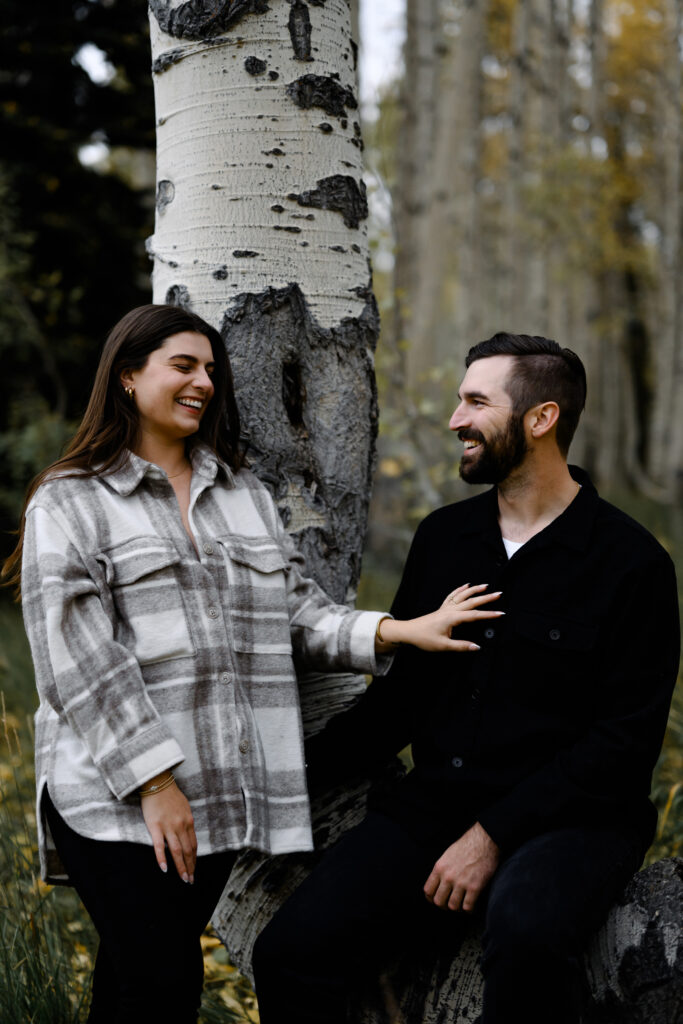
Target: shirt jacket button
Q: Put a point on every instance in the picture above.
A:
(554, 634)
(489, 633)
(457, 762)
(225, 678)
(208, 549)
(213, 613)
(244, 746)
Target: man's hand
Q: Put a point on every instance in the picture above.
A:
(461, 873)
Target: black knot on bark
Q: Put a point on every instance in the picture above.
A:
(165, 194)
(203, 19)
(178, 295)
(341, 193)
(255, 66)
(293, 393)
(321, 91)
(300, 30)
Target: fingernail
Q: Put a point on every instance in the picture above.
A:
(500, 613)
(164, 868)
(191, 879)
(475, 647)
(185, 877)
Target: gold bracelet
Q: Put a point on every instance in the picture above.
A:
(157, 788)
(394, 643)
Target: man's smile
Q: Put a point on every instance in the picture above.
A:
(471, 443)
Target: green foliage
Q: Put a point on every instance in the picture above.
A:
(72, 257)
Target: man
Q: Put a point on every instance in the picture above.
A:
(533, 755)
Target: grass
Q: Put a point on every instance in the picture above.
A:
(45, 941)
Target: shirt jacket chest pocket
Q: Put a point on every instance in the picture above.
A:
(558, 658)
(151, 618)
(259, 613)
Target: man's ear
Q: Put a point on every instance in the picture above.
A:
(542, 418)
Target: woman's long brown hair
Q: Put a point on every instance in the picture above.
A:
(110, 424)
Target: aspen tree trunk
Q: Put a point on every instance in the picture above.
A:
(413, 194)
(261, 228)
(517, 244)
(665, 455)
(540, 129)
(560, 26)
(594, 326)
(411, 202)
(674, 480)
(468, 170)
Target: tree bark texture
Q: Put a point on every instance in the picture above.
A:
(467, 171)
(261, 228)
(414, 186)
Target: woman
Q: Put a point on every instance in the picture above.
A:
(164, 603)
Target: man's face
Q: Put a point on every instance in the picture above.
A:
(494, 436)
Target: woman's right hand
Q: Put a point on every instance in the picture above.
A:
(169, 821)
(432, 632)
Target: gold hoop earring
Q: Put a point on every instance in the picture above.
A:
(130, 393)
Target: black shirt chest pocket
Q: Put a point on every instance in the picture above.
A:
(555, 656)
(555, 633)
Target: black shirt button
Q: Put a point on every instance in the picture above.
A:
(476, 694)
(555, 634)
(457, 762)
(489, 633)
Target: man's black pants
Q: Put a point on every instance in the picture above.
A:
(363, 904)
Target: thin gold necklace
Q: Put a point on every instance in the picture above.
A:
(181, 473)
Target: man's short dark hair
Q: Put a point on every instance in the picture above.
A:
(543, 372)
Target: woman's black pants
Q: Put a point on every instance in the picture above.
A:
(149, 964)
(363, 905)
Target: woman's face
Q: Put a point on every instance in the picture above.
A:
(174, 387)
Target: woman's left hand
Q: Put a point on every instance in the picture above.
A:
(432, 632)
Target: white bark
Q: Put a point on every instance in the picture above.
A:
(232, 145)
(261, 229)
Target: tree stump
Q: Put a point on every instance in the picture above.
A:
(633, 967)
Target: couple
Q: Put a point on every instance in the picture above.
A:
(164, 604)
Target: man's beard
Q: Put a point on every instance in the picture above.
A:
(502, 453)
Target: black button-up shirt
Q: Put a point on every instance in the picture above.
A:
(559, 718)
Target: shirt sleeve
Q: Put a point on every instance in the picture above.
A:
(90, 680)
(382, 721)
(327, 636)
(610, 765)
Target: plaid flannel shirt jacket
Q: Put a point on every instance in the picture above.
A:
(151, 655)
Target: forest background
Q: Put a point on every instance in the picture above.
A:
(523, 168)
